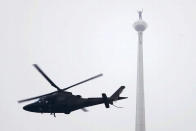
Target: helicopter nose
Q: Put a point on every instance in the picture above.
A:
(34, 107)
(30, 107)
(27, 108)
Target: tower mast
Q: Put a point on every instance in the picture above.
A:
(140, 26)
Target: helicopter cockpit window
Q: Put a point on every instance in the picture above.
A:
(41, 101)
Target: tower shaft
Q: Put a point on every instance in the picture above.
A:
(140, 103)
(140, 26)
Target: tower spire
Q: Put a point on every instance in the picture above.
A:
(140, 14)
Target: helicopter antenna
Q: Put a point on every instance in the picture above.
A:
(116, 106)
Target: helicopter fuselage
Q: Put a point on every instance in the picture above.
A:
(63, 102)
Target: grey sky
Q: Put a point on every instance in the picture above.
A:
(75, 39)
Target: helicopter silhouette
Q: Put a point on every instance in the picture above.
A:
(61, 101)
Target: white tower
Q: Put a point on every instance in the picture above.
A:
(140, 26)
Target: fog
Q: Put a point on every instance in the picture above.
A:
(72, 40)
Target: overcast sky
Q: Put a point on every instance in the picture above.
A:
(72, 40)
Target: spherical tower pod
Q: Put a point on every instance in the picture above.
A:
(140, 25)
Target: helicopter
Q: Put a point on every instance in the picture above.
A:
(62, 101)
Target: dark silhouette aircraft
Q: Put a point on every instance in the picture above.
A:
(61, 101)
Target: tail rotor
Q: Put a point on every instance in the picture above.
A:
(115, 97)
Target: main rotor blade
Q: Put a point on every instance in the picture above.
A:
(36, 97)
(84, 109)
(99, 75)
(46, 77)
(33, 98)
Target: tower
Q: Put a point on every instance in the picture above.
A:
(140, 26)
